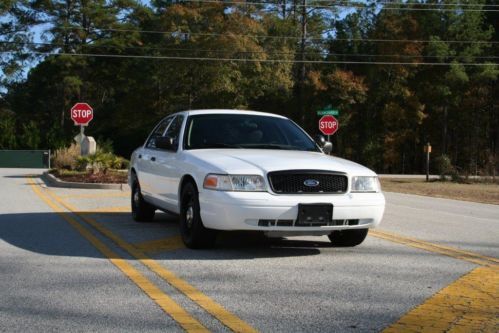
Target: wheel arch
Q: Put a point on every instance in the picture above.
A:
(133, 173)
(184, 180)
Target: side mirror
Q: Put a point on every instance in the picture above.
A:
(327, 148)
(320, 140)
(165, 142)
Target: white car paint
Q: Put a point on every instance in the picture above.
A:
(229, 210)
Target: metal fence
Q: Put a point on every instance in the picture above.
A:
(24, 158)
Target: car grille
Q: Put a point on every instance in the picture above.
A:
(293, 182)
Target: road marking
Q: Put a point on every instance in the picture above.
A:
(96, 195)
(158, 245)
(114, 209)
(469, 304)
(175, 311)
(216, 310)
(440, 249)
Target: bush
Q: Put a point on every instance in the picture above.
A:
(66, 158)
(105, 146)
(101, 162)
(69, 159)
(445, 168)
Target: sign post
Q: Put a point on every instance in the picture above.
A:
(427, 150)
(82, 114)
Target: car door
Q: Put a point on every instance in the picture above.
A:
(167, 171)
(146, 160)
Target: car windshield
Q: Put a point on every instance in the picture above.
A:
(245, 131)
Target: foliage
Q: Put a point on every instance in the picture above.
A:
(7, 130)
(69, 158)
(387, 111)
(66, 158)
(445, 168)
(101, 162)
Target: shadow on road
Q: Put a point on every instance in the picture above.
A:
(49, 233)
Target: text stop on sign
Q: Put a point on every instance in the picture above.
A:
(328, 125)
(82, 114)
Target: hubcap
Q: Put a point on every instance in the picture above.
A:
(189, 216)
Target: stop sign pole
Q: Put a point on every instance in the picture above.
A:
(82, 114)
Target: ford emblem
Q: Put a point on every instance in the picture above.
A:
(311, 183)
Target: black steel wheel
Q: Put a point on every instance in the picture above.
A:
(348, 238)
(194, 234)
(141, 210)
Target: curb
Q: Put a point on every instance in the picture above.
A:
(56, 182)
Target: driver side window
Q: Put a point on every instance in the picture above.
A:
(158, 132)
(174, 130)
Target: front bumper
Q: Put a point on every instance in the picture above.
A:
(243, 210)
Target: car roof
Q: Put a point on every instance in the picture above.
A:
(230, 111)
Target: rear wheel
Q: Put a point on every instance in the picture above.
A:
(141, 210)
(348, 238)
(194, 234)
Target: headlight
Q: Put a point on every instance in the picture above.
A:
(253, 183)
(365, 184)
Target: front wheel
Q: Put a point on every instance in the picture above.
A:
(348, 238)
(141, 210)
(194, 234)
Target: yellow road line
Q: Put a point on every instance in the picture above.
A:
(114, 209)
(432, 247)
(168, 305)
(96, 195)
(216, 310)
(469, 304)
(164, 244)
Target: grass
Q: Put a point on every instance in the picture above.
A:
(477, 192)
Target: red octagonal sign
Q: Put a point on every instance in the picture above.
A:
(328, 125)
(82, 114)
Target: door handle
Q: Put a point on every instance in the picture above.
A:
(153, 159)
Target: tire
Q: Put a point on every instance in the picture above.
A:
(194, 234)
(348, 238)
(141, 210)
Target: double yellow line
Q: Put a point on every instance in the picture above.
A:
(436, 248)
(174, 310)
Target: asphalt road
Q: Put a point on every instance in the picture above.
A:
(73, 260)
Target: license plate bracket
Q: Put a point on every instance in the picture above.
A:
(315, 214)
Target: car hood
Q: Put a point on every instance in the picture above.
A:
(262, 161)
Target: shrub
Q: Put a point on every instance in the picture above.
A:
(120, 163)
(105, 146)
(101, 162)
(445, 168)
(66, 158)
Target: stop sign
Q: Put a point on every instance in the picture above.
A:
(328, 125)
(82, 114)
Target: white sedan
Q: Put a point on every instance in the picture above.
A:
(246, 170)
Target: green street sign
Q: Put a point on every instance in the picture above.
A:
(331, 112)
